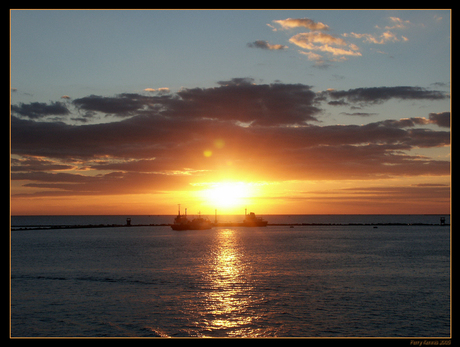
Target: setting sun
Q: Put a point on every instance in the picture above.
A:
(227, 195)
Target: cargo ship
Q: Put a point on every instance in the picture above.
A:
(182, 223)
(250, 220)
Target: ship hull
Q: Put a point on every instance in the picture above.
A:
(255, 224)
(191, 226)
(243, 224)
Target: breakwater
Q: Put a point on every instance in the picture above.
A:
(94, 226)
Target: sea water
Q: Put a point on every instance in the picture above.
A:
(275, 281)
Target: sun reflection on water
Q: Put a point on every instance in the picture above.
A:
(229, 302)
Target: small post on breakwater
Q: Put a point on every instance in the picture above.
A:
(128, 222)
(442, 221)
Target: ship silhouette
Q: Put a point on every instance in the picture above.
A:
(251, 220)
(183, 223)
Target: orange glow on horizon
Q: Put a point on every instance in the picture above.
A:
(423, 195)
(227, 197)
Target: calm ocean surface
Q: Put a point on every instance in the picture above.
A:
(306, 281)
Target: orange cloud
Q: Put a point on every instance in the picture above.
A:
(385, 37)
(399, 23)
(301, 22)
(312, 56)
(316, 37)
(318, 41)
(160, 90)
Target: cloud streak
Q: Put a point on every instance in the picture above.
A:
(265, 45)
(37, 110)
(378, 95)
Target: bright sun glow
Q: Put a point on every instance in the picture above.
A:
(227, 195)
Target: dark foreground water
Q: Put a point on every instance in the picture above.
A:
(390, 281)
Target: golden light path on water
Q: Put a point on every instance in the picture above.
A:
(230, 303)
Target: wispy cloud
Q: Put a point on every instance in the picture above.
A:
(301, 22)
(317, 41)
(398, 23)
(312, 56)
(381, 39)
(316, 37)
(163, 90)
(386, 36)
(335, 48)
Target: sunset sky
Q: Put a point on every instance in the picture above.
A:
(282, 112)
